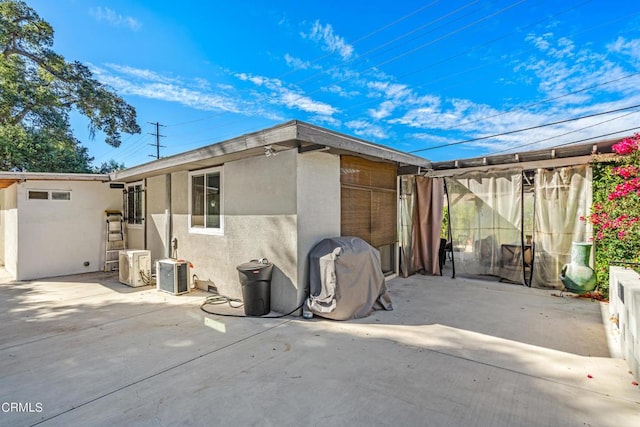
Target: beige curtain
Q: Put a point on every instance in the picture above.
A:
(563, 195)
(405, 224)
(427, 220)
(485, 209)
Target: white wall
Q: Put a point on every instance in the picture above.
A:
(624, 308)
(10, 229)
(56, 237)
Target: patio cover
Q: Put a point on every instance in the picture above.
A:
(346, 279)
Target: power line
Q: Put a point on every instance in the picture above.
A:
(564, 134)
(366, 36)
(413, 31)
(519, 108)
(524, 107)
(450, 75)
(598, 137)
(361, 57)
(111, 152)
(549, 17)
(524, 129)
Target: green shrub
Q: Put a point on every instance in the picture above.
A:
(615, 213)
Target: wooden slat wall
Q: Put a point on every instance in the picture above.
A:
(368, 200)
(361, 172)
(384, 226)
(356, 212)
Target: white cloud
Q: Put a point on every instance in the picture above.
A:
(436, 139)
(539, 41)
(384, 110)
(366, 129)
(329, 41)
(148, 84)
(391, 90)
(294, 100)
(140, 73)
(339, 90)
(288, 97)
(114, 18)
(326, 120)
(626, 47)
(559, 69)
(296, 63)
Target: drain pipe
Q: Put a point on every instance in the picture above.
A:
(167, 216)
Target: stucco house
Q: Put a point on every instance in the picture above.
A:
(273, 194)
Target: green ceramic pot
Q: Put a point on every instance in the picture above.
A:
(577, 276)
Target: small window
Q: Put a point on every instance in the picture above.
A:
(60, 195)
(49, 195)
(205, 192)
(38, 195)
(134, 203)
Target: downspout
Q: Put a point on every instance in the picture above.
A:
(167, 216)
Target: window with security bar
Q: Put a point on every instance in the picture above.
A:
(134, 203)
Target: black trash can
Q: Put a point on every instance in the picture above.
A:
(255, 278)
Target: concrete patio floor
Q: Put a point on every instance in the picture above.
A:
(87, 350)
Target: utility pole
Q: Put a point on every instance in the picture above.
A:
(158, 136)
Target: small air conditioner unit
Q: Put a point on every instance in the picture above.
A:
(172, 276)
(131, 263)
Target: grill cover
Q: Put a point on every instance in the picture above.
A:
(346, 279)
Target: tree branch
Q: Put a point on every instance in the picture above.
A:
(20, 116)
(40, 61)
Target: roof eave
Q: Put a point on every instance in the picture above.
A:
(289, 135)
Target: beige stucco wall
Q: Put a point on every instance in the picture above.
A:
(155, 216)
(318, 207)
(275, 207)
(259, 199)
(57, 237)
(9, 229)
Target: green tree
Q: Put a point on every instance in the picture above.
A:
(39, 88)
(108, 167)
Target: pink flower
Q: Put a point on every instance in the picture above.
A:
(626, 146)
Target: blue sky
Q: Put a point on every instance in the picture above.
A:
(412, 75)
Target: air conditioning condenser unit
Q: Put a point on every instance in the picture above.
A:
(172, 276)
(134, 266)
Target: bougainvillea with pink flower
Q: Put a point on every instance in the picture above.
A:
(615, 213)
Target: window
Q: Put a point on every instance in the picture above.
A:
(48, 195)
(134, 203)
(205, 210)
(38, 195)
(60, 195)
